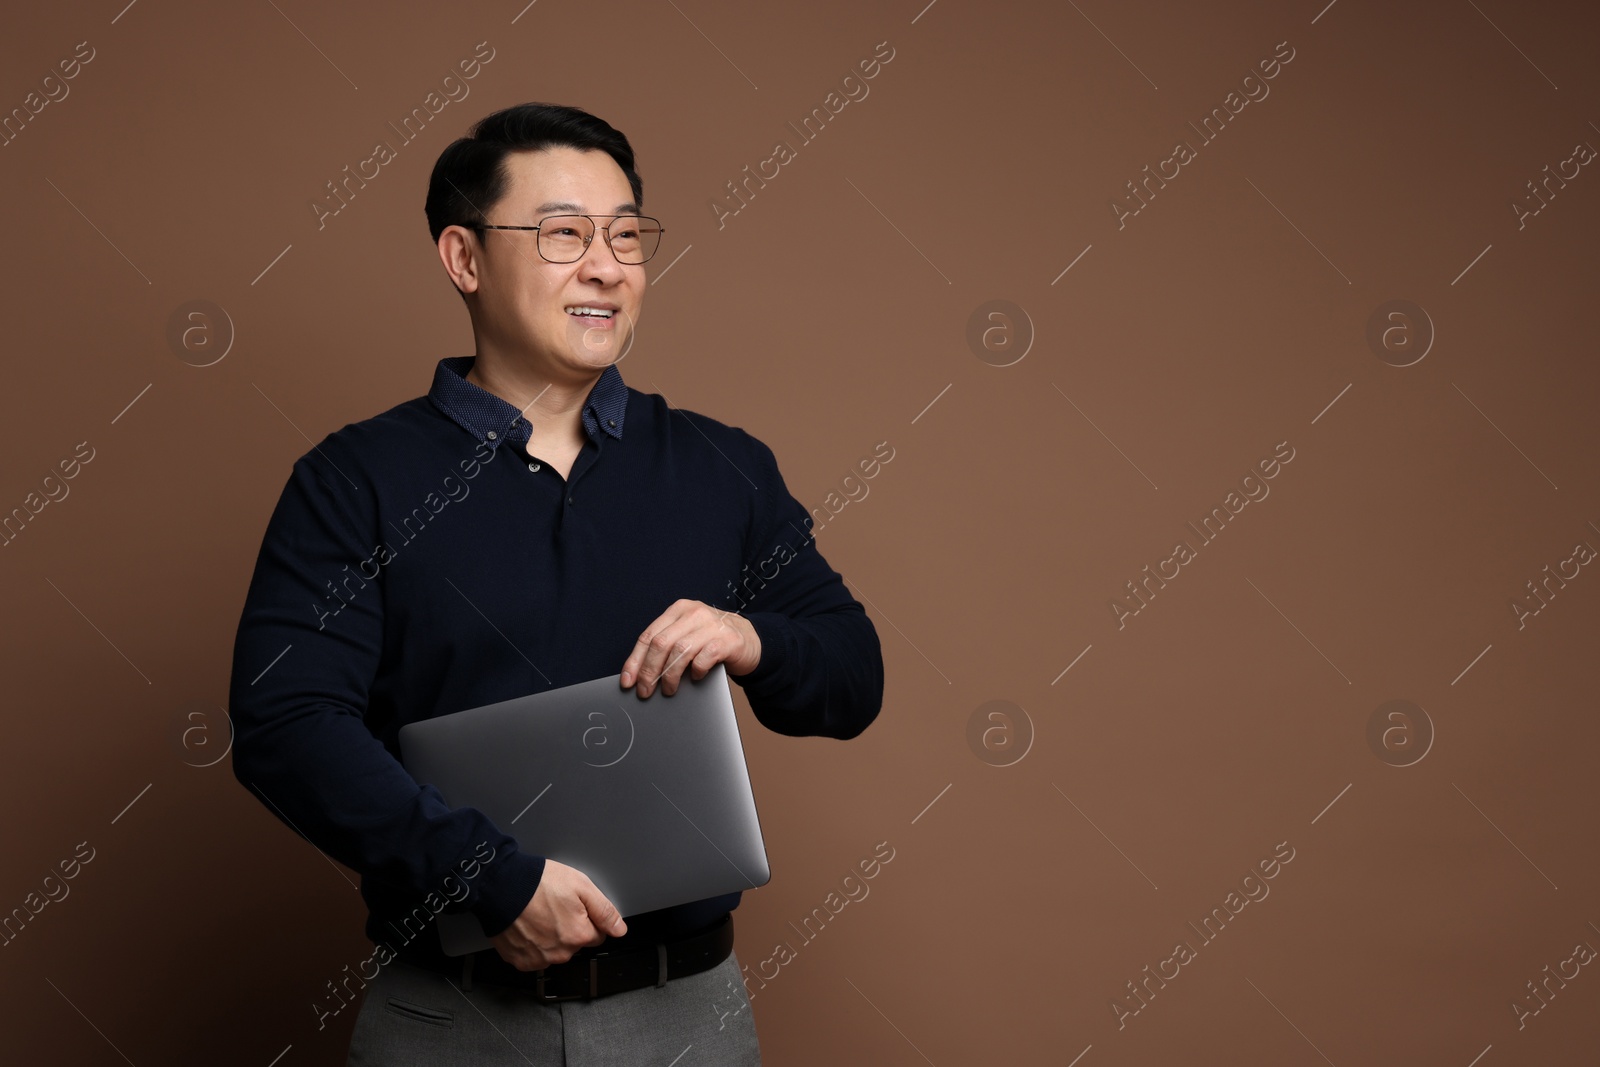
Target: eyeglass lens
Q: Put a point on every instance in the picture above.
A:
(564, 238)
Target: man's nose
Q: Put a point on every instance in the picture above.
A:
(598, 261)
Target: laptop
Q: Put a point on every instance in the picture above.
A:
(649, 798)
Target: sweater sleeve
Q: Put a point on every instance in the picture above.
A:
(821, 667)
(309, 644)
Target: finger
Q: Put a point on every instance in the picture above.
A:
(716, 640)
(641, 646)
(711, 653)
(633, 666)
(580, 932)
(665, 652)
(684, 651)
(725, 642)
(602, 913)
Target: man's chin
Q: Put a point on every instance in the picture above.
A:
(599, 346)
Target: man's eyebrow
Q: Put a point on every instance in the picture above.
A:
(563, 205)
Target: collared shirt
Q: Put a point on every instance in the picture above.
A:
(486, 416)
(422, 562)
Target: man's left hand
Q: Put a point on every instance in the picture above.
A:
(694, 636)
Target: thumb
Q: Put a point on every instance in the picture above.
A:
(602, 913)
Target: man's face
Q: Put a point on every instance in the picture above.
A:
(523, 298)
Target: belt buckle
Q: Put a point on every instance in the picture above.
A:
(593, 991)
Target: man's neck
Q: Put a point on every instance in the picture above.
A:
(554, 409)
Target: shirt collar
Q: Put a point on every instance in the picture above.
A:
(491, 418)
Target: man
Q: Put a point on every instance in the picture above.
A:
(530, 523)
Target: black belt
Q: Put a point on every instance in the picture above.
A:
(599, 972)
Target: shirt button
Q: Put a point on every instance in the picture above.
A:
(533, 466)
(569, 501)
(611, 422)
(490, 435)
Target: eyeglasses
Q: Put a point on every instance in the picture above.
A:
(565, 238)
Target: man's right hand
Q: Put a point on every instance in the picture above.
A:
(567, 913)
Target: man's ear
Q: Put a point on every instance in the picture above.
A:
(460, 254)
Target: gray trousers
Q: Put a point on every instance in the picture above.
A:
(413, 1017)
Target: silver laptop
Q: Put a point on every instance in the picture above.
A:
(649, 798)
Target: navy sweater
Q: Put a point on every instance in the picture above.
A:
(421, 562)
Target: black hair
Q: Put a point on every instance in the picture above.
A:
(470, 176)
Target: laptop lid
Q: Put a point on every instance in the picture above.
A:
(649, 798)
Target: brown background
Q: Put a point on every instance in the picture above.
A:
(1229, 716)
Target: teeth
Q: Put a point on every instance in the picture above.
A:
(589, 311)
